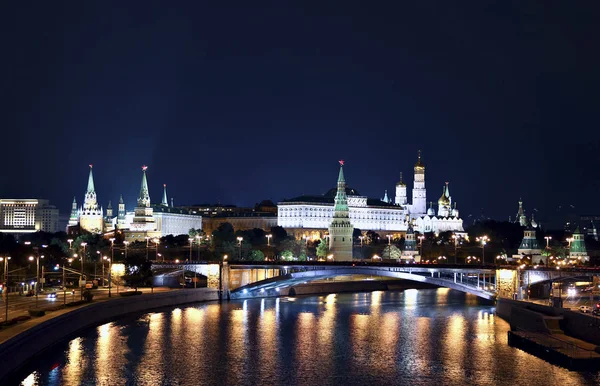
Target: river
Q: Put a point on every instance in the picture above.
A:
(412, 337)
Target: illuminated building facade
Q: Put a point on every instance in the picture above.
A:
(310, 215)
(27, 216)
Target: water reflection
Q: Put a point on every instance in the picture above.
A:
(425, 336)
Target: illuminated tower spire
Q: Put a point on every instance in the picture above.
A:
(121, 213)
(144, 198)
(340, 229)
(74, 218)
(164, 202)
(400, 192)
(419, 194)
(91, 215)
(143, 219)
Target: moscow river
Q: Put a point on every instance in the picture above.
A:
(412, 337)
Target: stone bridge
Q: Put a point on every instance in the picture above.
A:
(248, 279)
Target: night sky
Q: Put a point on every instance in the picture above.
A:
(259, 100)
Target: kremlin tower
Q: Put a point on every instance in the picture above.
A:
(91, 216)
(340, 229)
(419, 201)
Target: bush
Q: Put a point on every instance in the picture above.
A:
(130, 293)
(33, 312)
(88, 296)
(76, 303)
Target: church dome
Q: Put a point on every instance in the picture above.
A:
(349, 192)
(444, 201)
(431, 211)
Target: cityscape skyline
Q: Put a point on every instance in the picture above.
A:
(235, 118)
(156, 189)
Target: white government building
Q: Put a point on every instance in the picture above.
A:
(310, 215)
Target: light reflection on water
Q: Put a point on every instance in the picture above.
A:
(416, 337)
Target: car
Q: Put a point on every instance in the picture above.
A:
(585, 309)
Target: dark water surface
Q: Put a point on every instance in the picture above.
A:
(414, 337)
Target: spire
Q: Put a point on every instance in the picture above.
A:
(90, 186)
(385, 197)
(121, 199)
(341, 175)
(165, 202)
(419, 164)
(447, 191)
(144, 198)
(341, 200)
(109, 204)
(74, 205)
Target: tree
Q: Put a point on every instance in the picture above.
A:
(322, 249)
(138, 271)
(287, 255)
(279, 234)
(224, 233)
(372, 237)
(391, 252)
(256, 255)
(356, 233)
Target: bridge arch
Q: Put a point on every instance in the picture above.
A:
(448, 279)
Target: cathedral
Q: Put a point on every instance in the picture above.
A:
(311, 215)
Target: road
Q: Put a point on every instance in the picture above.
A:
(19, 305)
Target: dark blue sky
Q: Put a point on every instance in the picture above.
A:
(259, 100)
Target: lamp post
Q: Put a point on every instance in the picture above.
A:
(483, 240)
(269, 240)
(389, 237)
(70, 241)
(548, 238)
(156, 242)
(37, 277)
(126, 243)
(421, 238)
(147, 238)
(81, 284)
(455, 237)
(112, 257)
(191, 241)
(240, 239)
(102, 262)
(5, 259)
(361, 238)
(198, 239)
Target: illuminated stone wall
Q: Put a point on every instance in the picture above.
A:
(506, 282)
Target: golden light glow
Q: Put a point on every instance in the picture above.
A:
(117, 270)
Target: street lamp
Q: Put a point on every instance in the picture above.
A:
(147, 238)
(37, 277)
(456, 238)
(126, 243)
(70, 241)
(421, 238)
(483, 240)
(548, 238)
(156, 242)
(269, 240)
(330, 257)
(191, 241)
(239, 239)
(198, 238)
(5, 259)
(389, 237)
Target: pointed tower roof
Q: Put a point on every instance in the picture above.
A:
(74, 202)
(144, 198)
(447, 190)
(164, 202)
(121, 199)
(341, 174)
(385, 197)
(401, 182)
(90, 186)
(419, 164)
(109, 204)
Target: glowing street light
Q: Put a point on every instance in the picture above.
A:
(330, 257)
(548, 238)
(483, 240)
(240, 239)
(268, 239)
(5, 259)
(389, 237)
(421, 238)
(70, 241)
